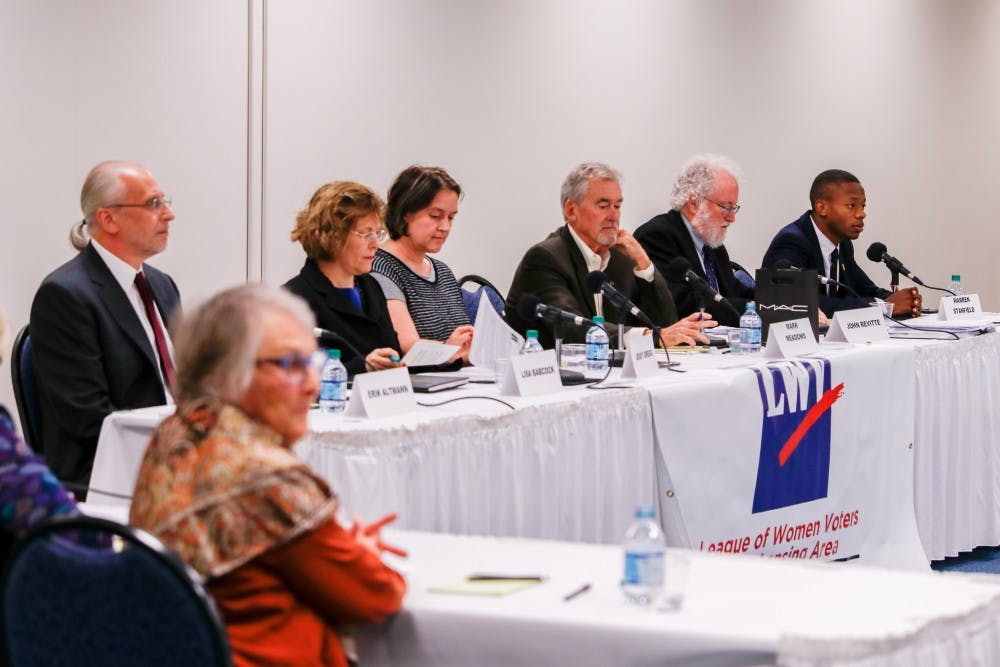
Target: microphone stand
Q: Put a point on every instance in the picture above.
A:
(557, 333)
(894, 278)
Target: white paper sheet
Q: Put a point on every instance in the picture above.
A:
(493, 338)
(429, 353)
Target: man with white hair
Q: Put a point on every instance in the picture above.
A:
(99, 322)
(704, 202)
(556, 269)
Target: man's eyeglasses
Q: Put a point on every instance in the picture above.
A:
(728, 209)
(154, 204)
(296, 366)
(380, 236)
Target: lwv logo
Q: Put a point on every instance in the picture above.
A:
(794, 464)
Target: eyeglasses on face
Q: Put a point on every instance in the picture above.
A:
(296, 366)
(380, 236)
(155, 204)
(728, 209)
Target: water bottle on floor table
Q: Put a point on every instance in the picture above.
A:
(645, 551)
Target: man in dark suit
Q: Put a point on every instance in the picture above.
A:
(98, 322)
(821, 239)
(704, 202)
(555, 270)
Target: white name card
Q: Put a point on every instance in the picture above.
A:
(640, 358)
(531, 375)
(960, 307)
(859, 325)
(793, 338)
(381, 394)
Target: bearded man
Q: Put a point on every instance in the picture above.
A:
(704, 202)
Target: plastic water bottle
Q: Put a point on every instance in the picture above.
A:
(333, 384)
(645, 551)
(750, 330)
(531, 343)
(597, 350)
(956, 285)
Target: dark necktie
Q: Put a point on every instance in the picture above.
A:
(146, 294)
(831, 290)
(709, 261)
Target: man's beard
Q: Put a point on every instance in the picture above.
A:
(713, 235)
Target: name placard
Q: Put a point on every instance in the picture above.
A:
(531, 374)
(640, 359)
(792, 338)
(381, 394)
(960, 307)
(859, 325)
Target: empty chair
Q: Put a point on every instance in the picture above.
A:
(473, 287)
(22, 372)
(88, 591)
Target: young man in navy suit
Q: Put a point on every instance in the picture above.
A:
(99, 322)
(821, 239)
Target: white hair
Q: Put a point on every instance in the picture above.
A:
(575, 186)
(215, 346)
(697, 178)
(102, 187)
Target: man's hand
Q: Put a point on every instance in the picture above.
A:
(627, 244)
(687, 330)
(905, 302)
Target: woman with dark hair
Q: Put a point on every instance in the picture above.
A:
(424, 299)
(340, 231)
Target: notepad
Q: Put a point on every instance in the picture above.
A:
(484, 587)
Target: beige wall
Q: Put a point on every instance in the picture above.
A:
(508, 96)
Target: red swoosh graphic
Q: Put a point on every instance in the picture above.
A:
(815, 412)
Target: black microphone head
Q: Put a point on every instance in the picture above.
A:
(594, 281)
(676, 269)
(876, 251)
(784, 264)
(526, 306)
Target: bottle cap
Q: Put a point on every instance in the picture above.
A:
(751, 305)
(531, 333)
(644, 512)
(333, 354)
(598, 319)
(956, 278)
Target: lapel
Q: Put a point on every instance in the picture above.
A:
(117, 304)
(679, 230)
(806, 227)
(332, 297)
(578, 265)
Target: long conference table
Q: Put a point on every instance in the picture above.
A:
(736, 611)
(910, 470)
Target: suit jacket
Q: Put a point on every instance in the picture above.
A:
(666, 237)
(797, 242)
(555, 271)
(91, 357)
(366, 330)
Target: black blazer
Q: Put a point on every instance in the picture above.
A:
(91, 357)
(554, 270)
(797, 242)
(665, 237)
(366, 330)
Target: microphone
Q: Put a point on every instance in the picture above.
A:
(597, 282)
(530, 307)
(333, 339)
(679, 270)
(877, 253)
(785, 264)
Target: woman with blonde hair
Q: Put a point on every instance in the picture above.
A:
(340, 231)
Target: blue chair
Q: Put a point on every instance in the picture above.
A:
(88, 591)
(22, 372)
(473, 287)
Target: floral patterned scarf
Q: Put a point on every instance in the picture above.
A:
(220, 489)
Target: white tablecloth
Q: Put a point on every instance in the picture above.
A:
(574, 465)
(738, 611)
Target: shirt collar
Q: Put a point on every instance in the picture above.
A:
(826, 246)
(123, 272)
(594, 261)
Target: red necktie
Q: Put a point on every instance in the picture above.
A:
(146, 294)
